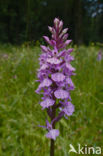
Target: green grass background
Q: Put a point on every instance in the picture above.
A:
(20, 112)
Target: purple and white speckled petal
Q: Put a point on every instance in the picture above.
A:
(58, 77)
(61, 94)
(69, 109)
(47, 103)
(54, 60)
(52, 134)
(45, 83)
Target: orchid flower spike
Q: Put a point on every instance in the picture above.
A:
(54, 76)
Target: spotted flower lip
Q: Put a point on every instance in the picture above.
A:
(54, 77)
(52, 134)
(54, 60)
(68, 109)
(58, 77)
(61, 94)
(47, 103)
(46, 83)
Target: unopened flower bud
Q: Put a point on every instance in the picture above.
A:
(65, 31)
(44, 48)
(60, 25)
(50, 29)
(47, 39)
(56, 22)
(67, 42)
(65, 37)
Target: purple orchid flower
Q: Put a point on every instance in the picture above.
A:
(99, 56)
(54, 77)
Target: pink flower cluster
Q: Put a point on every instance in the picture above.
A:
(54, 77)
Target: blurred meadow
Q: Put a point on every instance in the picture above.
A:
(20, 112)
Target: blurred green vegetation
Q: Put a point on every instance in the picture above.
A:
(20, 112)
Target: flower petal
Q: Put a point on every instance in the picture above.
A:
(69, 109)
(44, 48)
(45, 83)
(47, 103)
(70, 50)
(69, 66)
(69, 81)
(61, 94)
(43, 67)
(62, 53)
(47, 39)
(53, 60)
(52, 134)
(48, 125)
(67, 42)
(58, 77)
